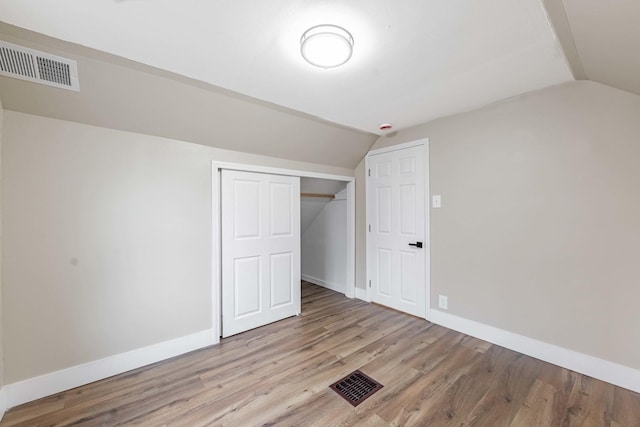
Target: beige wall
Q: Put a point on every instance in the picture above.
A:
(107, 240)
(106, 243)
(539, 228)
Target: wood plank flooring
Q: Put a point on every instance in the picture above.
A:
(278, 375)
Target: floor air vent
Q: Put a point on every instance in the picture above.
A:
(356, 387)
(39, 67)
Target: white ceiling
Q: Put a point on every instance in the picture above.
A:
(120, 94)
(413, 61)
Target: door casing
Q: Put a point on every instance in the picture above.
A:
(216, 254)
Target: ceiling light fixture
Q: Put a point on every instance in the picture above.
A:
(326, 46)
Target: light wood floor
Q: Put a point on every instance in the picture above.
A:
(279, 375)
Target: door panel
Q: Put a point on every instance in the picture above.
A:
(408, 210)
(246, 206)
(281, 209)
(407, 277)
(281, 270)
(247, 292)
(396, 200)
(384, 272)
(260, 216)
(384, 209)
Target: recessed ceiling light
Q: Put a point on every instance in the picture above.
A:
(326, 46)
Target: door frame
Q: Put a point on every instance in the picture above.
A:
(427, 238)
(216, 237)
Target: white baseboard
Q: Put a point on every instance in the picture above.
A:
(65, 379)
(3, 402)
(601, 369)
(362, 294)
(320, 282)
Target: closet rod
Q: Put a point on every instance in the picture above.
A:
(323, 196)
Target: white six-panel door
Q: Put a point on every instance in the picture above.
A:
(396, 198)
(260, 217)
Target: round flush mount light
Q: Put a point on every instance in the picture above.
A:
(326, 46)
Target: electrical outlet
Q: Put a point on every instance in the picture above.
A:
(436, 201)
(443, 302)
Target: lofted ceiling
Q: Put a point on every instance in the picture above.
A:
(413, 60)
(601, 39)
(229, 73)
(606, 35)
(121, 94)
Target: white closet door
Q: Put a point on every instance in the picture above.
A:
(260, 249)
(397, 245)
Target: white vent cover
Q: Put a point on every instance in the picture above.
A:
(35, 66)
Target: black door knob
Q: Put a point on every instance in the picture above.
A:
(416, 244)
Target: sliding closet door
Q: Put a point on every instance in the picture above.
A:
(260, 249)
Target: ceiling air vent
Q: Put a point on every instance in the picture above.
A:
(35, 66)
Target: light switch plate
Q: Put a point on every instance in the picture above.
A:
(436, 201)
(443, 302)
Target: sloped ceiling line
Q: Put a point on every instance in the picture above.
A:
(413, 61)
(123, 96)
(558, 19)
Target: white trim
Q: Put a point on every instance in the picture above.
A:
(333, 286)
(601, 369)
(427, 218)
(350, 280)
(65, 379)
(367, 215)
(3, 402)
(216, 255)
(362, 294)
(216, 284)
(279, 171)
(427, 228)
(397, 147)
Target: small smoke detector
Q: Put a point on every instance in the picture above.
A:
(39, 67)
(385, 126)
